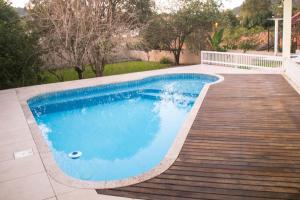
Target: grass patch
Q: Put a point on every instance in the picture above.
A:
(70, 74)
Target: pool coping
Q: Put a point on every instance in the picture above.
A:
(57, 174)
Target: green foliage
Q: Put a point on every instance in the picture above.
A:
(229, 23)
(256, 13)
(158, 34)
(21, 11)
(197, 41)
(69, 74)
(142, 10)
(215, 40)
(165, 60)
(170, 31)
(149, 39)
(277, 7)
(228, 19)
(233, 36)
(18, 50)
(248, 44)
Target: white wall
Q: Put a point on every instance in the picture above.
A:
(293, 72)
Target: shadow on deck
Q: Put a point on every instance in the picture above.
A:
(244, 144)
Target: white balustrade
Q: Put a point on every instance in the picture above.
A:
(243, 61)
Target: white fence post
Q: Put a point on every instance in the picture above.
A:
(243, 61)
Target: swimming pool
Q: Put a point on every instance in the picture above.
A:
(121, 130)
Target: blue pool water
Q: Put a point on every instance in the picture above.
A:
(122, 130)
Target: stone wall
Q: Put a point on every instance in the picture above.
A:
(186, 56)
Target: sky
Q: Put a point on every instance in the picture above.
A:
(227, 3)
(232, 3)
(18, 3)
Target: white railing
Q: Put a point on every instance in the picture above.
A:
(243, 61)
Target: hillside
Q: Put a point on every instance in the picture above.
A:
(21, 11)
(236, 10)
(296, 4)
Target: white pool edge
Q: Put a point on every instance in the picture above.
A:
(57, 174)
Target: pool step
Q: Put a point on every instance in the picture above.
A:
(90, 100)
(81, 102)
(180, 101)
(157, 91)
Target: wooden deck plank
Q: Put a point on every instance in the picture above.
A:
(244, 144)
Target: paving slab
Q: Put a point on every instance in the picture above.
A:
(7, 151)
(80, 194)
(59, 188)
(35, 187)
(22, 167)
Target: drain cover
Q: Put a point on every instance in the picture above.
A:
(23, 154)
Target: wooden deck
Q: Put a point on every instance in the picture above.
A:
(244, 144)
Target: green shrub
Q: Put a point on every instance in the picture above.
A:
(165, 60)
(248, 44)
(233, 36)
(19, 53)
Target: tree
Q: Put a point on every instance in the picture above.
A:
(142, 10)
(256, 13)
(18, 50)
(76, 33)
(197, 41)
(170, 31)
(115, 19)
(228, 19)
(65, 29)
(148, 40)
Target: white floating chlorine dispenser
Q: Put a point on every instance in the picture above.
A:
(75, 154)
